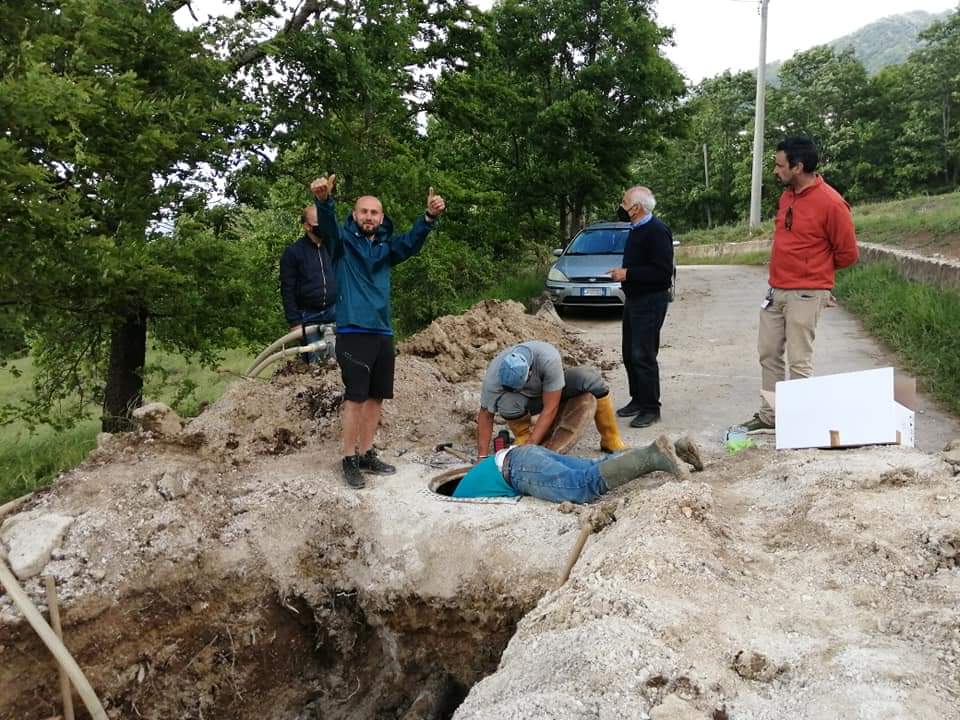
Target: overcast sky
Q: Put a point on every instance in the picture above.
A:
(715, 35)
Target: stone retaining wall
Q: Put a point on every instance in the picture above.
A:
(943, 273)
(720, 249)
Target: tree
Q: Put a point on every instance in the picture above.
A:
(107, 111)
(560, 98)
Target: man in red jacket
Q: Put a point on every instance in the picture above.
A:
(814, 235)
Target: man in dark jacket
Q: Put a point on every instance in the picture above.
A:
(308, 285)
(645, 277)
(364, 250)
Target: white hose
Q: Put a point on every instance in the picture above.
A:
(318, 346)
(52, 642)
(292, 335)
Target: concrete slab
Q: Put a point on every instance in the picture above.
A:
(709, 371)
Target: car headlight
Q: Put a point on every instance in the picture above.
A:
(556, 275)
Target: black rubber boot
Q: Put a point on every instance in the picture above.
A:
(658, 455)
(369, 462)
(351, 472)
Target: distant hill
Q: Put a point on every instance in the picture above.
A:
(888, 41)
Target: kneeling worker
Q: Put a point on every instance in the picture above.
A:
(529, 379)
(542, 473)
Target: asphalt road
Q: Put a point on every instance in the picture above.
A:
(709, 372)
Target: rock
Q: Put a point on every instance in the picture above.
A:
(173, 485)
(158, 418)
(752, 665)
(548, 312)
(675, 708)
(952, 445)
(467, 403)
(30, 538)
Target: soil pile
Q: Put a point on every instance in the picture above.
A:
(461, 346)
(805, 584)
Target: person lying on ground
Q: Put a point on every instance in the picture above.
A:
(529, 379)
(542, 473)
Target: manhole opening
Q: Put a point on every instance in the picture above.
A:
(448, 487)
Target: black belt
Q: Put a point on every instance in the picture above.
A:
(505, 469)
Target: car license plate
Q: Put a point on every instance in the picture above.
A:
(593, 291)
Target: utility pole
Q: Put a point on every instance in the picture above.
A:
(758, 121)
(706, 183)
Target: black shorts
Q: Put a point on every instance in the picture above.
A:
(366, 366)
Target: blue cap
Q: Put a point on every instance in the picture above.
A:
(514, 368)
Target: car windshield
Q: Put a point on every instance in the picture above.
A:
(602, 241)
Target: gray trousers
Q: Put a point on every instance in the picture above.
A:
(576, 381)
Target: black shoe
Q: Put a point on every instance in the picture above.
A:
(369, 462)
(645, 419)
(630, 409)
(351, 471)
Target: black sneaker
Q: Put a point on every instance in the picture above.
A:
(629, 410)
(757, 423)
(369, 462)
(645, 419)
(351, 471)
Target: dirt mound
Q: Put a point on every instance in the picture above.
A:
(461, 346)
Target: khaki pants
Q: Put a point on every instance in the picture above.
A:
(788, 323)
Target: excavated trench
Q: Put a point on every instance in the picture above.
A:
(243, 652)
(360, 617)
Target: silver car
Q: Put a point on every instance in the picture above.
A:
(579, 277)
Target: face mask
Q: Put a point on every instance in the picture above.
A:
(622, 214)
(315, 229)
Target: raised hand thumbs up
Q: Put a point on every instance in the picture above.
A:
(323, 186)
(435, 204)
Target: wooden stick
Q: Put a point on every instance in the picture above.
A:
(9, 507)
(585, 532)
(65, 690)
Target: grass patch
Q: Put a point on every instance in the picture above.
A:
(726, 234)
(522, 287)
(31, 460)
(919, 322)
(754, 257)
(936, 216)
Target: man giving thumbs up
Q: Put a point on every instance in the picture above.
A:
(364, 250)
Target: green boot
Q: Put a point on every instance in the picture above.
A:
(658, 455)
(688, 451)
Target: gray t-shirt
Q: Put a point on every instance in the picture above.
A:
(546, 374)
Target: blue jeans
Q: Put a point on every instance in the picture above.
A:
(542, 473)
(314, 318)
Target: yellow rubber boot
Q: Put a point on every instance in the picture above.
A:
(521, 429)
(606, 420)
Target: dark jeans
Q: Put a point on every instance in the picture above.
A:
(311, 317)
(642, 320)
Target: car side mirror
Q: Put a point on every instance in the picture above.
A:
(558, 252)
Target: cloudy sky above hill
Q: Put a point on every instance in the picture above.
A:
(711, 36)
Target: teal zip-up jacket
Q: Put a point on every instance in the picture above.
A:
(363, 266)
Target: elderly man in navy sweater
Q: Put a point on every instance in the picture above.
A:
(645, 277)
